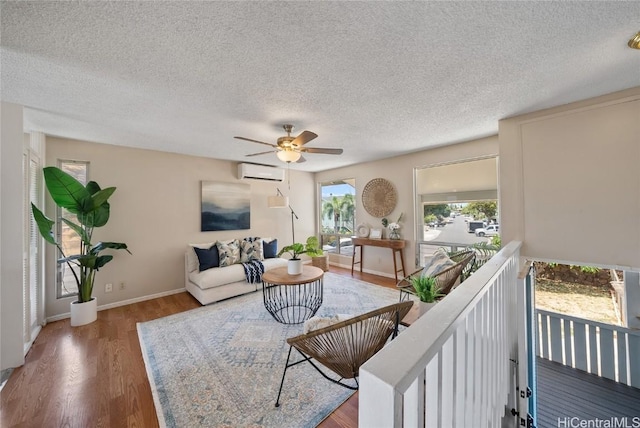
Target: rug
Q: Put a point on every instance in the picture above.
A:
(221, 365)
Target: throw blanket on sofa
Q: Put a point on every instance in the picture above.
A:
(253, 271)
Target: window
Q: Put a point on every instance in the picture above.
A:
(32, 286)
(70, 242)
(337, 216)
(456, 206)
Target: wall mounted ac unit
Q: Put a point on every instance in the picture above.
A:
(259, 172)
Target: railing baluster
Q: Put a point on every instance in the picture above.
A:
(593, 350)
(544, 342)
(471, 367)
(414, 402)
(622, 358)
(432, 398)
(566, 339)
(580, 345)
(446, 384)
(555, 330)
(634, 357)
(607, 362)
(460, 373)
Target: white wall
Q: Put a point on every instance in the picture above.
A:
(156, 212)
(400, 171)
(570, 182)
(11, 234)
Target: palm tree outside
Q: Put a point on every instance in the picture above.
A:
(342, 210)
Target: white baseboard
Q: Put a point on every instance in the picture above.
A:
(373, 272)
(121, 303)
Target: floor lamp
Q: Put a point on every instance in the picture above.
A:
(281, 201)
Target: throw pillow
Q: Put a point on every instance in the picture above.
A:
(207, 257)
(250, 249)
(438, 262)
(229, 252)
(270, 249)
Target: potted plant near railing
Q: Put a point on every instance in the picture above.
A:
(90, 205)
(427, 290)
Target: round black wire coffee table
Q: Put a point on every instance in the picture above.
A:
(292, 299)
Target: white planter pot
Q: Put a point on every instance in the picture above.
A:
(424, 307)
(294, 267)
(84, 313)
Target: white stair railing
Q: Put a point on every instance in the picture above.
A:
(452, 367)
(607, 350)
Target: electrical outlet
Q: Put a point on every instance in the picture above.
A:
(108, 288)
(122, 286)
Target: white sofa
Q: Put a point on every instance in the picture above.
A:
(219, 283)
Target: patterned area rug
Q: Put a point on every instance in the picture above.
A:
(221, 365)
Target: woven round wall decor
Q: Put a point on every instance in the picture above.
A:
(379, 197)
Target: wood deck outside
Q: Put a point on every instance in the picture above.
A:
(565, 393)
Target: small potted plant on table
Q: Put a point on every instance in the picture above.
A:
(427, 290)
(295, 250)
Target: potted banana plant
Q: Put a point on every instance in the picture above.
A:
(90, 205)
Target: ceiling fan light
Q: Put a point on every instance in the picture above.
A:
(288, 155)
(634, 42)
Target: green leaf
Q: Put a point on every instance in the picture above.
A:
(101, 215)
(101, 196)
(92, 187)
(103, 260)
(111, 245)
(66, 191)
(44, 223)
(87, 261)
(79, 230)
(97, 218)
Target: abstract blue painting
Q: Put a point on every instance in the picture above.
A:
(225, 206)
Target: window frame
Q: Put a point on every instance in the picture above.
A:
(327, 238)
(62, 291)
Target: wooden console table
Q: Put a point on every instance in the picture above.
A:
(396, 245)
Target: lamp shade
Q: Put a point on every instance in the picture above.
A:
(277, 201)
(288, 155)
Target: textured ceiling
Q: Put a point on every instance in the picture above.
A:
(378, 79)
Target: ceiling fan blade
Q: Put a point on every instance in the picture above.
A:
(321, 150)
(304, 138)
(302, 159)
(262, 153)
(256, 141)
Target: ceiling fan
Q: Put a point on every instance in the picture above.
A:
(290, 149)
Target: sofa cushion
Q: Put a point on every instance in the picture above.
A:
(270, 248)
(317, 322)
(192, 258)
(250, 249)
(229, 252)
(438, 262)
(207, 258)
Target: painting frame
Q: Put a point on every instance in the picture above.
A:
(375, 234)
(224, 206)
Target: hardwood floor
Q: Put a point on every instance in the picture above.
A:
(94, 376)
